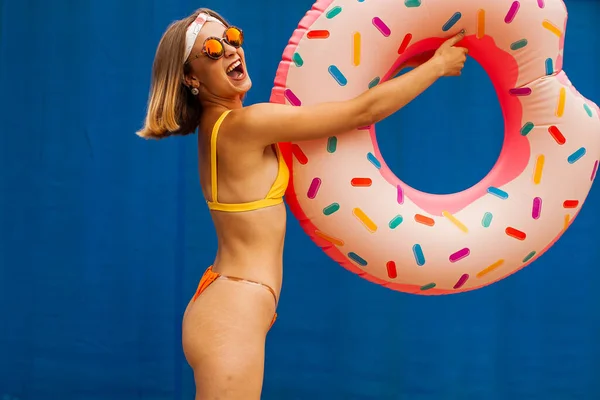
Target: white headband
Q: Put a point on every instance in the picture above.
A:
(194, 29)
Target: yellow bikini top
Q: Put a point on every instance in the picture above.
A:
(275, 195)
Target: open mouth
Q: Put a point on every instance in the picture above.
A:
(236, 71)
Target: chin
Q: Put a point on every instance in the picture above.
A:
(246, 85)
(241, 86)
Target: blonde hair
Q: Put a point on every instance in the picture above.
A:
(172, 108)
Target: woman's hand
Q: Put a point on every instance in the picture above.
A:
(449, 58)
(452, 58)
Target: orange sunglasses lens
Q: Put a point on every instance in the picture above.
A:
(213, 48)
(234, 36)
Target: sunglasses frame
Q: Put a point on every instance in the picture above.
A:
(220, 40)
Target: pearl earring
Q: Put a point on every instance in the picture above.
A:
(195, 91)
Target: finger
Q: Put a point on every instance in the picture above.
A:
(455, 39)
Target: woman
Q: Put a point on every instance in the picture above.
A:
(199, 80)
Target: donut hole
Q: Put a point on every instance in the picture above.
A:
(448, 138)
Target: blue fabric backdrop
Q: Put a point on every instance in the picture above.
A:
(103, 236)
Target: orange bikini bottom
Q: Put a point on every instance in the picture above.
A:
(210, 276)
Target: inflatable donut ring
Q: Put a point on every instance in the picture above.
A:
(365, 218)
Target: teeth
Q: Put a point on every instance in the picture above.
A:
(233, 66)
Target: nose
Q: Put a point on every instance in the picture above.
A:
(229, 50)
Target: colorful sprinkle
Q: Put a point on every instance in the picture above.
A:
(366, 221)
(576, 156)
(333, 12)
(332, 208)
(332, 144)
(519, 44)
(361, 182)
(570, 203)
(319, 34)
(356, 47)
(540, 3)
(373, 160)
(529, 256)
(480, 24)
(557, 135)
(536, 209)
(412, 3)
(515, 233)
(399, 195)
(314, 188)
(357, 259)
(486, 221)
(538, 169)
(381, 26)
(455, 221)
(419, 256)
(512, 12)
(594, 170)
(528, 127)
(405, 42)
(552, 28)
(452, 21)
(549, 66)
(428, 286)
(337, 75)
(498, 192)
(566, 222)
(374, 82)
(520, 91)
(562, 98)
(330, 239)
(463, 279)
(292, 98)
(297, 59)
(396, 221)
(299, 154)
(489, 269)
(459, 255)
(588, 110)
(391, 269)
(422, 219)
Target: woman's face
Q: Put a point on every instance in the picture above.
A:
(226, 77)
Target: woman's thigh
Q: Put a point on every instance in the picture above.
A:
(224, 333)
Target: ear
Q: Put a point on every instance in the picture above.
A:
(191, 81)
